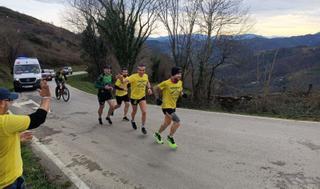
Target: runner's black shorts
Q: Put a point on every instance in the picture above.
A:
(168, 110)
(104, 96)
(172, 113)
(137, 101)
(121, 99)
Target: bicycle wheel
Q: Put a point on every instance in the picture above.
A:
(66, 94)
(58, 93)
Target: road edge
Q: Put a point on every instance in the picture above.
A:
(50, 162)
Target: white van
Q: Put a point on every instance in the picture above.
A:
(26, 73)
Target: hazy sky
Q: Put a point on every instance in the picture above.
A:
(271, 17)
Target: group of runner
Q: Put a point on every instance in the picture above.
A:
(167, 93)
(11, 126)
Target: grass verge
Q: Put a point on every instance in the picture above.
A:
(33, 172)
(83, 83)
(7, 84)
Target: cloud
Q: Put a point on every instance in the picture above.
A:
(281, 6)
(272, 17)
(285, 17)
(52, 1)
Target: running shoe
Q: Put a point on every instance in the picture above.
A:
(109, 120)
(158, 138)
(143, 130)
(125, 118)
(133, 124)
(171, 142)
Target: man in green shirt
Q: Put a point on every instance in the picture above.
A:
(105, 88)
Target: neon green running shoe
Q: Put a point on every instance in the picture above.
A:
(158, 138)
(171, 142)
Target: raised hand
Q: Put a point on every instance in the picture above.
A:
(26, 136)
(44, 89)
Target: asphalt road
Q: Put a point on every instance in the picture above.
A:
(215, 150)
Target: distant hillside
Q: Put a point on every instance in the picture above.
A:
(294, 70)
(255, 42)
(53, 46)
(297, 66)
(285, 42)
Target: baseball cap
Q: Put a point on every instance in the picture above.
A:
(107, 67)
(175, 70)
(6, 94)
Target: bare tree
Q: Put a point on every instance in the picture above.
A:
(124, 24)
(179, 19)
(218, 19)
(212, 19)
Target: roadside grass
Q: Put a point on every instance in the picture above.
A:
(83, 83)
(79, 68)
(34, 174)
(7, 84)
(5, 77)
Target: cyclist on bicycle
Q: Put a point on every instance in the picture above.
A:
(60, 79)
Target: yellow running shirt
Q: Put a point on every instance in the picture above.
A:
(170, 93)
(121, 85)
(10, 152)
(138, 86)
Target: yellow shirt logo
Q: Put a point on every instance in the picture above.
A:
(170, 93)
(123, 86)
(138, 86)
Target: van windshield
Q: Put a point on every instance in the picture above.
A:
(30, 68)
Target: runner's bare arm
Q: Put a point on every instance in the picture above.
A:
(158, 94)
(149, 88)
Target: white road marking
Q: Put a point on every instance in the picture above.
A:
(68, 172)
(23, 103)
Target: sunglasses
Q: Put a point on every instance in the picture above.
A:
(8, 100)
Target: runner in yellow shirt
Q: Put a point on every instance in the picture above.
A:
(138, 83)
(122, 94)
(11, 126)
(170, 90)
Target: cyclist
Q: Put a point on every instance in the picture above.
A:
(60, 79)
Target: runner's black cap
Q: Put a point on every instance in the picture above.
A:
(175, 71)
(107, 67)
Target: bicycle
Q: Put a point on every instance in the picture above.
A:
(63, 91)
